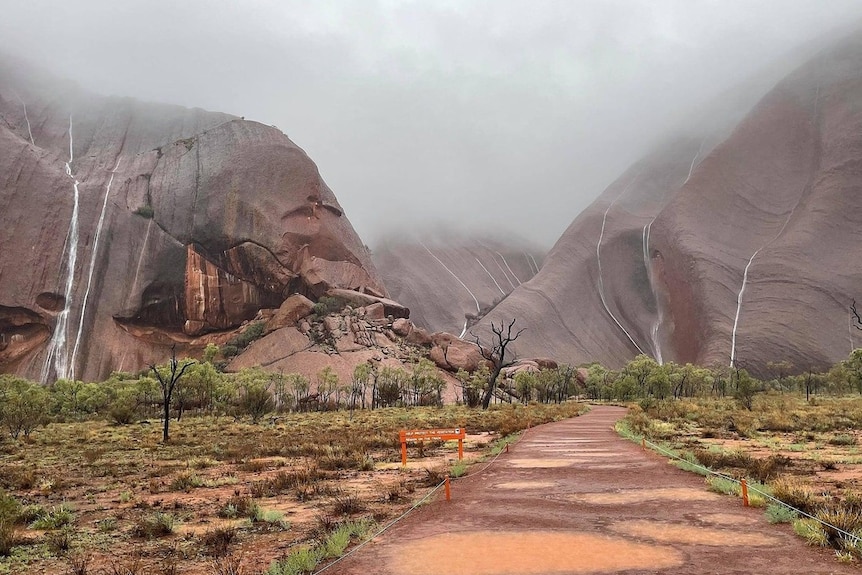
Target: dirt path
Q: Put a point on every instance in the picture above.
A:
(573, 497)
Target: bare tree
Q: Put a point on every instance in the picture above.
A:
(168, 384)
(858, 323)
(496, 355)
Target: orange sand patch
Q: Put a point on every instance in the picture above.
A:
(526, 485)
(681, 533)
(637, 495)
(539, 463)
(527, 553)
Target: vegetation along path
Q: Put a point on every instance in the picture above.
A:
(574, 497)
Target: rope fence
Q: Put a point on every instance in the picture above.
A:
(382, 530)
(656, 447)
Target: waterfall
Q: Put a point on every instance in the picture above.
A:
(58, 352)
(508, 268)
(490, 276)
(601, 286)
(761, 248)
(93, 254)
(478, 309)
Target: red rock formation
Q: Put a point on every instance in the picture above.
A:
(448, 284)
(773, 206)
(187, 221)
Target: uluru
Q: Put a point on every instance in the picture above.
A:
(129, 227)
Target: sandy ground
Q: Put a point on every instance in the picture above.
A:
(573, 497)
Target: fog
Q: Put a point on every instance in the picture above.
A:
(484, 115)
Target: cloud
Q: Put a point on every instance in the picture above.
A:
(486, 114)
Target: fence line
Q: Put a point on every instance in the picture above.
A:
(855, 538)
(386, 527)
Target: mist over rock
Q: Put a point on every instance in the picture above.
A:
(745, 249)
(451, 280)
(131, 226)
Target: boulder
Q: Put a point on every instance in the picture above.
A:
(294, 308)
(451, 353)
(419, 336)
(358, 299)
(278, 345)
(546, 363)
(402, 326)
(375, 311)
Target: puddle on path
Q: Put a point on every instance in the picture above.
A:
(526, 485)
(687, 533)
(536, 462)
(637, 495)
(728, 519)
(526, 553)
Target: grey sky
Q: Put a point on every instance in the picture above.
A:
(494, 113)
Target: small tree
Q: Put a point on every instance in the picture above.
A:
(23, 405)
(359, 385)
(168, 380)
(496, 355)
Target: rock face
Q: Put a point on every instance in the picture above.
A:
(448, 284)
(743, 250)
(129, 226)
(343, 339)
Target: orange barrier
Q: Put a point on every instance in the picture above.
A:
(422, 434)
(744, 485)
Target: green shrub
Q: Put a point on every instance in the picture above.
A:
(186, 482)
(722, 485)
(809, 529)
(777, 513)
(146, 211)
(55, 518)
(252, 332)
(155, 525)
(794, 493)
(300, 562)
(10, 508)
(844, 439)
(7, 537)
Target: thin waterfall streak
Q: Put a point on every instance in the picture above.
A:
(27, 119)
(478, 309)
(93, 254)
(58, 353)
(508, 268)
(529, 265)
(463, 331)
(141, 255)
(505, 275)
(850, 332)
(654, 329)
(493, 279)
(601, 285)
(763, 247)
(739, 308)
(534, 262)
(745, 276)
(691, 167)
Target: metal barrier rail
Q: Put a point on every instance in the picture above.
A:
(855, 538)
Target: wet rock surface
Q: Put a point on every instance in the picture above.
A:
(186, 223)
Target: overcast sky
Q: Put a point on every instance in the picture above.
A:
(496, 113)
